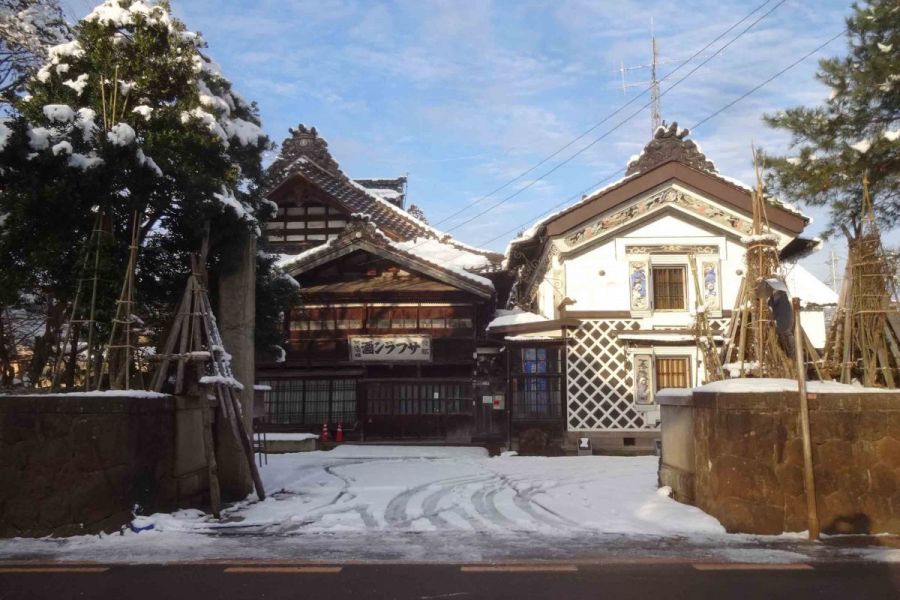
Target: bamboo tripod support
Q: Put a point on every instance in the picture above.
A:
(120, 351)
(199, 345)
(752, 340)
(74, 324)
(864, 338)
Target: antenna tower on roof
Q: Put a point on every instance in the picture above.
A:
(655, 112)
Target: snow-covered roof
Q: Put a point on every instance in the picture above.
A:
(650, 158)
(806, 286)
(384, 213)
(505, 318)
(442, 255)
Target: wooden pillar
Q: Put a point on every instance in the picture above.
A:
(237, 322)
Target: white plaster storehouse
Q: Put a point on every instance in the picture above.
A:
(612, 280)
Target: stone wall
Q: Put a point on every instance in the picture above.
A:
(676, 466)
(748, 461)
(74, 464)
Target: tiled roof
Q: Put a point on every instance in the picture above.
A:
(358, 199)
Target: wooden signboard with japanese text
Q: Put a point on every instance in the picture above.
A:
(390, 348)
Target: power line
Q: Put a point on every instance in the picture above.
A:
(698, 124)
(605, 119)
(620, 124)
(769, 80)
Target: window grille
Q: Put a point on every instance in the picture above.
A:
(672, 372)
(668, 288)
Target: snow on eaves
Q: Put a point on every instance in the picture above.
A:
(439, 254)
(425, 228)
(529, 233)
(445, 254)
(515, 316)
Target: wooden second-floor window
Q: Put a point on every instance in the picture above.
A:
(672, 372)
(669, 288)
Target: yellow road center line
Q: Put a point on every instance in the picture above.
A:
(54, 569)
(518, 568)
(327, 570)
(753, 567)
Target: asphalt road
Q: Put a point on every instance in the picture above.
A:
(577, 580)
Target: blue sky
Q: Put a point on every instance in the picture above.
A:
(464, 95)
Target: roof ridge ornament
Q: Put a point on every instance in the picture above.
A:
(302, 142)
(670, 143)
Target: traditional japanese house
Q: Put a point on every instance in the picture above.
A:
(388, 337)
(606, 292)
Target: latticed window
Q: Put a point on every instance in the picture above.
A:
(311, 401)
(672, 372)
(536, 384)
(668, 288)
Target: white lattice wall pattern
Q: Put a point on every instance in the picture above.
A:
(600, 379)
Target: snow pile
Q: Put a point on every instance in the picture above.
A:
(734, 369)
(505, 318)
(227, 198)
(290, 437)
(862, 146)
(386, 193)
(759, 237)
(445, 254)
(769, 386)
(63, 146)
(221, 380)
(78, 84)
(143, 110)
(84, 161)
(5, 132)
(121, 134)
(39, 138)
(111, 13)
(61, 113)
(136, 394)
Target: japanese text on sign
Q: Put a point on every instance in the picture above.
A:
(406, 348)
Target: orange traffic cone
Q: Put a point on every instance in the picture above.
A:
(339, 436)
(324, 437)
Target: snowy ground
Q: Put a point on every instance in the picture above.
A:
(442, 504)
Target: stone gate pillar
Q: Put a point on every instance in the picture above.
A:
(237, 322)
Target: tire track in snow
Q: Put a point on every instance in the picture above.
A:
(484, 501)
(524, 499)
(396, 515)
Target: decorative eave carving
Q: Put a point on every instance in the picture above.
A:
(669, 144)
(606, 224)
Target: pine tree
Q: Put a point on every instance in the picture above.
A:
(27, 29)
(130, 117)
(856, 133)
